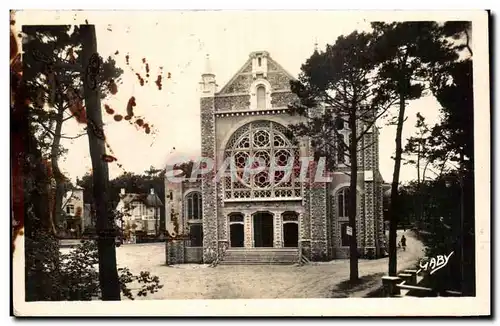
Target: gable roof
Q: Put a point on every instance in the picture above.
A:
(150, 200)
(248, 66)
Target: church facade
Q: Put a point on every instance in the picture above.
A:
(248, 118)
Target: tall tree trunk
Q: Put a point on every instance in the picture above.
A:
(419, 184)
(393, 212)
(105, 225)
(54, 156)
(353, 245)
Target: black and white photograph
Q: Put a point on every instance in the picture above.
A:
(240, 159)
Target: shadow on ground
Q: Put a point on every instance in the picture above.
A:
(348, 288)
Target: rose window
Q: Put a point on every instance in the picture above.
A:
(265, 163)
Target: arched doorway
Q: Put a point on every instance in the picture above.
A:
(263, 229)
(290, 230)
(236, 230)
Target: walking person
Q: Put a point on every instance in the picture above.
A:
(403, 242)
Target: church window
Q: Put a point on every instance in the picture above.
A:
(267, 143)
(261, 97)
(193, 206)
(259, 61)
(343, 202)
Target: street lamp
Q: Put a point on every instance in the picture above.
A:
(449, 182)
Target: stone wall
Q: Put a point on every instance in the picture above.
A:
(193, 255)
(375, 236)
(279, 80)
(241, 84)
(232, 103)
(318, 222)
(208, 186)
(282, 99)
(174, 250)
(370, 237)
(340, 181)
(173, 204)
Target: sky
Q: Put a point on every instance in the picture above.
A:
(179, 42)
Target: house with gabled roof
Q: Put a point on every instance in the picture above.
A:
(141, 213)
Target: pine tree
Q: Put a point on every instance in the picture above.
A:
(406, 52)
(337, 89)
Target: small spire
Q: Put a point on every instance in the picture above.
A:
(208, 65)
(315, 44)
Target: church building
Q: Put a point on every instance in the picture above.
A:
(262, 219)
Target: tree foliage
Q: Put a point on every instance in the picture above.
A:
(54, 78)
(76, 278)
(445, 58)
(338, 90)
(406, 52)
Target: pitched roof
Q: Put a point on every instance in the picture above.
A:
(150, 200)
(247, 66)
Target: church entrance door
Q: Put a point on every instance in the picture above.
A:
(237, 235)
(263, 229)
(291, 235)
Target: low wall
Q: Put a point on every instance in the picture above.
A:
(193, 254)
(174, 252)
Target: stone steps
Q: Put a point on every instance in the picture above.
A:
(261, 256)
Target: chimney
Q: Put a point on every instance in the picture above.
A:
(122, 191)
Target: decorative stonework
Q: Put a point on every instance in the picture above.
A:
(240, 85)
(306, 217)
(175, 252)
(302, 234)
(272, 112)
(318, 212)
(278, 229)
(247, 69)
(369, 218)
(319, 250)
(360, 221)
(222, 225)
(279, 81)
(282, 99)
(248, 230)
(306, 249)
(232, 103)
(271, 65)
(208, 186)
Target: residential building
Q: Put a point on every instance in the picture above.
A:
(141, 214)
(73, 212)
